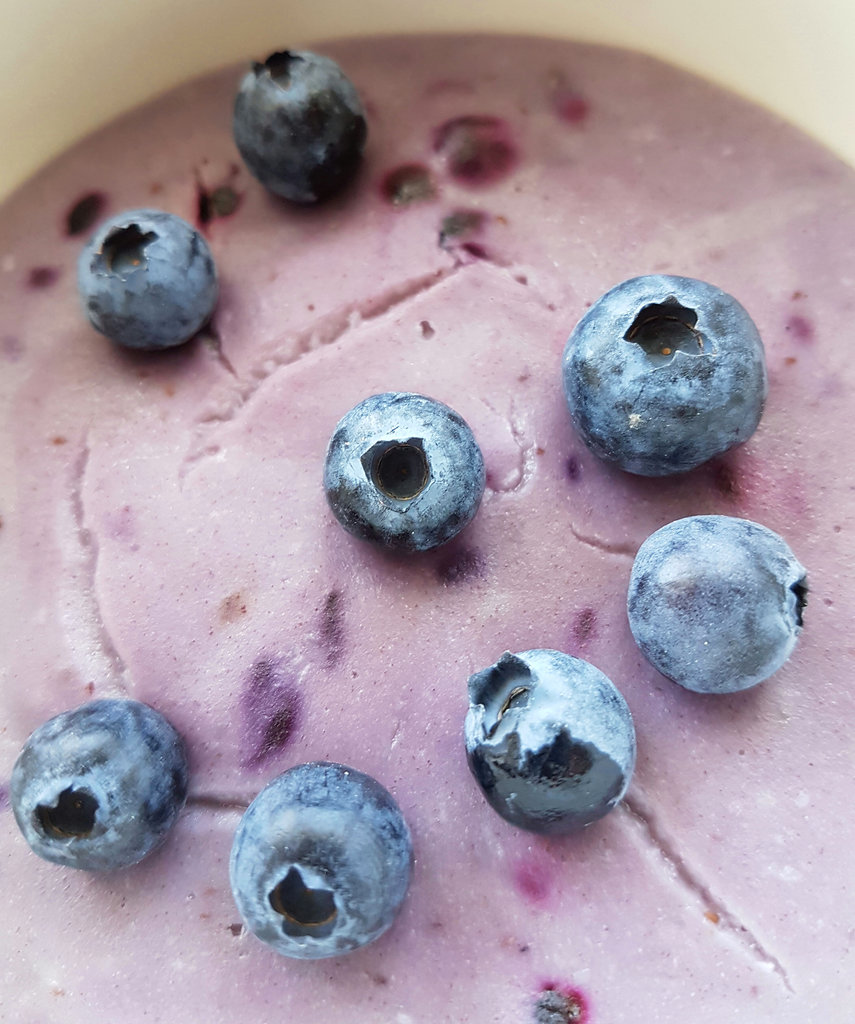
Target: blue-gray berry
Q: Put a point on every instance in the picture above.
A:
(147, 280)
(662, 373)
(715, 603)
(98, 787)
(550, 740)
(404, 471)
(299, 125)
(321, 861)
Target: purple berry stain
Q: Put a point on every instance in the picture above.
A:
(332, 631)
(477, 149)
(571, 106)
(584, 626)
(11, 347)
(84, 214)
(574, 468)
(4, 798)
(533, 880)
(461, 224)
(460, 566)
(800, 327)
(42, 277)
(724, 479)
(560, 1004)
(410, 183)
(271, 710)
(475, 249)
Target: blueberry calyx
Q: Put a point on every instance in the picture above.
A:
(306, 911)
(123, 250)
(664, 328)
(278, 67)
(72, 816)
(399, 469)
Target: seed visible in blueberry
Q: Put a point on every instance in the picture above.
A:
(549, 739)
(321, 861)
(662, 373)
(299, 125)
(715, 603)
(147, 280)
(100, 786)
(404, 471)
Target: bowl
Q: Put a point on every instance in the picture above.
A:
(65, 68)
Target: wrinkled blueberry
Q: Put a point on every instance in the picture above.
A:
(99, 787)
(549, 739)
(321, 861)
(404, 471)
(715, 603)
(147, 280)
(662, 373)
(299, 125)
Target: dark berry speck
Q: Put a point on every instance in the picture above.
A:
(560, 1006)
(84, 214)
(43, 277)
(410, 183)
(222, 201)
(477, 149)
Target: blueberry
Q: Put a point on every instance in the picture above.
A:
(99, 787)
(321, 861)
(147, 280)
(404, 471)
(299, 125)
(663, 373)
(549, 739)
(715, 603)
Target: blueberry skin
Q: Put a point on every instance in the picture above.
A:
(299, 125)
(321, 861)
(663, 373)
(147, 280)
(549, 739)
(715, 603)
(98, 787)
(404, 471)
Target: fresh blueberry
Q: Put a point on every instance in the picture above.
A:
(549, 739)
(147, 280)
(99, 787)
(404, 471)
(663, 373)
(715, 603)
(321, 861)
(299, 125)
